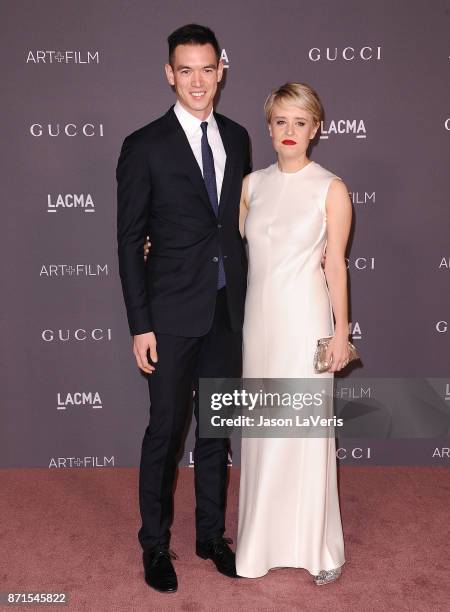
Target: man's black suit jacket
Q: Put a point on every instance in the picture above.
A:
(161, 193)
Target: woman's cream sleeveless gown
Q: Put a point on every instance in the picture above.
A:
(288, 504)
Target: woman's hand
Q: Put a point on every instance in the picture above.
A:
(338, 353)
(147, 245)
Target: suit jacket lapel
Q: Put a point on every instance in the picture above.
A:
(229, 164)
(181, 149)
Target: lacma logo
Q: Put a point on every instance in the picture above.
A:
(355, 127)
(224, 58)
(191, 459)
(447, 392)
(355, 330)
(79, 398)
(70, 200)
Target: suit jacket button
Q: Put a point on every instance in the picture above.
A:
(219, 226)
(215, 259)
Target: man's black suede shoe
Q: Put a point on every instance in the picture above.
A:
(221, 554)
(158, 569)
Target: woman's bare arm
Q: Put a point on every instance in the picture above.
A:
(339, 218)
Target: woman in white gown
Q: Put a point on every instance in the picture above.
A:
(288, 504)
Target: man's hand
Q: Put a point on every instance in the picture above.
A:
(141, 344)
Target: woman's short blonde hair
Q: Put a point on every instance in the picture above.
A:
(300, 94)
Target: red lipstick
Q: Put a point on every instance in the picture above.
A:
(287, 141)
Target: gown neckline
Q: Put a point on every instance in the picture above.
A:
(277, 168)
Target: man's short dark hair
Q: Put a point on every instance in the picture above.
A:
(192, 34)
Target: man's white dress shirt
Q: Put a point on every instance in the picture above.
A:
(193, 131)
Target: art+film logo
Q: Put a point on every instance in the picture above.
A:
(81, 462)
(39, 56)
(74, 270)
(352, 392)
(444, 264)
(442, 452)
(362, 197)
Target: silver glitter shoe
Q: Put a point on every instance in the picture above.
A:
(326, 576)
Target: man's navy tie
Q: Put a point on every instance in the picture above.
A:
(209, 176)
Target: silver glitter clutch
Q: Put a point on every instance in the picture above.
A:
(320, 363)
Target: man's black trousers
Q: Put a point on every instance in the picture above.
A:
(181, 362)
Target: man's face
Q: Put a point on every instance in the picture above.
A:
(195, 74)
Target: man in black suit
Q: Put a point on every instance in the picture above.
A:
(179, 181)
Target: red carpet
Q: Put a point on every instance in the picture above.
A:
(75, 531)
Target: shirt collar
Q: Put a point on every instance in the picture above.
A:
(189, 123)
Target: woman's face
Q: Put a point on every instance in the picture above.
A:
(291, 128)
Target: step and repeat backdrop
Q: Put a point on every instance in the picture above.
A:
(78, 77)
